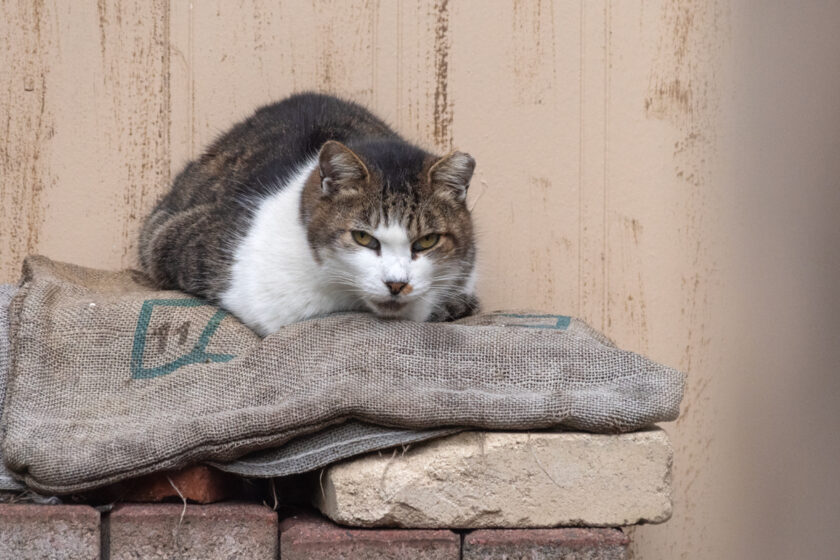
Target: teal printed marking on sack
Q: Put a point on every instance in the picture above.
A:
(562, 321)
(197, 355)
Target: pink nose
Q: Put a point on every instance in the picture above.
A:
(396, 287)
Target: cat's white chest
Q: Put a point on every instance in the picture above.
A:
(274, 278)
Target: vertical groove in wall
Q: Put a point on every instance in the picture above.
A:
(374, 52)
(593, 196)
(166, 94)
(191, 79)
(398, 63)
(581, 72)
(606, 320)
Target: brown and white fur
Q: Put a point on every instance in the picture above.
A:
(314, 206)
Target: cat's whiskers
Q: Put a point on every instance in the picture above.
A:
(344, 279)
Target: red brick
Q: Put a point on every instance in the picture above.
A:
(206, 532)
(55, 532)
(546, 544)
(314, 538)
(200, 484)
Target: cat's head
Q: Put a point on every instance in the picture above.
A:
(389, 223)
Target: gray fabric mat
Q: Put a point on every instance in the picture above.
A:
(112, 379)
(335, 443)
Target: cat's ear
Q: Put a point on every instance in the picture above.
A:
(452, 173)
(340, 168)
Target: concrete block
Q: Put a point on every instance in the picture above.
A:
(307, 537)
(49, 532)
(505, 480)
(206, 532)
(546, 544)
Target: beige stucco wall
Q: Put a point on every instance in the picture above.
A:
(620, 158)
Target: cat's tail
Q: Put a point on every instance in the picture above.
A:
(150, 248)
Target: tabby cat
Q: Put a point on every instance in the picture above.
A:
(313, 205)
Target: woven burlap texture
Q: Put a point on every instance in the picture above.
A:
(7, 291)
(302, 454)
(111, 379)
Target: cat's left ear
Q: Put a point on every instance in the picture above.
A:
(452, 174)
(340, 168)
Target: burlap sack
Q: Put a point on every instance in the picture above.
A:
(302, 454)
(7, 482)
(111, 379)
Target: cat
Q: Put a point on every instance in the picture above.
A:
(313, 205)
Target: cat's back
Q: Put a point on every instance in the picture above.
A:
(283, 136)
(188, 239)
(260, 153)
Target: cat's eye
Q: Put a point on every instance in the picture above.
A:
(425, 242)
(365, 239)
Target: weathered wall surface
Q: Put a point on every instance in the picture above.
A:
(595, 125)
(587, 119)
(85, 127)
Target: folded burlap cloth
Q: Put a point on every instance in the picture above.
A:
(111, 379)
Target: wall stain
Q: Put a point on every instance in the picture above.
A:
(533, 51)
(669, 96)
(633, 279)
(341, 56)
(680, 82)
(28, 128)
(102, 11)
(682, 91)
(135, 69)
(443, 116)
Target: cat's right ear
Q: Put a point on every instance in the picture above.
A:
(340, 168)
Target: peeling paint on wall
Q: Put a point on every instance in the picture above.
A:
(442, 106)
(683, 91)
(534, 51)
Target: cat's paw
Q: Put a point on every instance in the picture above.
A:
(466, 304)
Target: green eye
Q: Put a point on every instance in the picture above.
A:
(365, 239)
(425, 242)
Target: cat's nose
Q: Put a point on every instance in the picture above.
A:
(397, 287)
